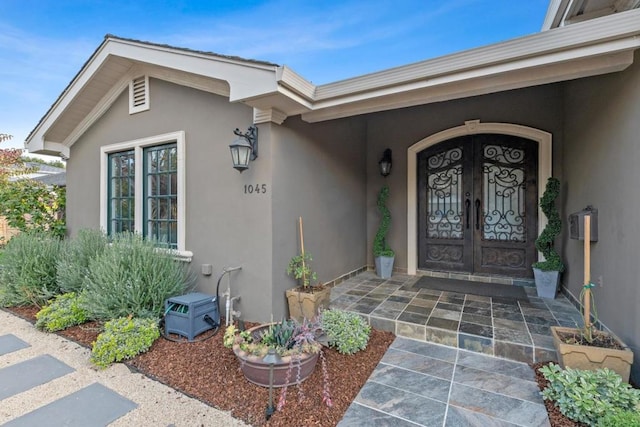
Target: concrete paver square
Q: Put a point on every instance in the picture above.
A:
(94, 405)
(10, 343)
(25, 375)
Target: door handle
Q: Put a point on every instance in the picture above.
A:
(477, 214)
(467, 208)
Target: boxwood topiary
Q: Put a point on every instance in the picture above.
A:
(347, 332)
(546, 240)
(380, 246)
(124, 338)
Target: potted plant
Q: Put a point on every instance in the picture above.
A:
(295, 344)
(308, 299)
(383, 254)
(587, 348)
(547, 272)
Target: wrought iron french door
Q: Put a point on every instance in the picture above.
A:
(477, 205)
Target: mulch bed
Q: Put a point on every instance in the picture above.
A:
(208, 371)
(555, 416)
(211, 373)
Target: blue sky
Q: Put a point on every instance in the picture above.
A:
(44, 43)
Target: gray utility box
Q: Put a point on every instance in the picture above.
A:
(185, 315)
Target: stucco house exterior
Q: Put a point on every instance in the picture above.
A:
(146, 128)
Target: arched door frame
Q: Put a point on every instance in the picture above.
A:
(470, 127)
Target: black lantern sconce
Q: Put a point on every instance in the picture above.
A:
(385, 163)
(245, 148)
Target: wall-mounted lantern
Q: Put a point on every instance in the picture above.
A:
(385, 163)
(245, 148)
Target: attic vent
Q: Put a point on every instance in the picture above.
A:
(139, 94)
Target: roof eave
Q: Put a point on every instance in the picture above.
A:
(593, 48)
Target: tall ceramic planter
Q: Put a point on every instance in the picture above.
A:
(256, 370)
(587, 357)
(384, 266)
(546, 282)
(307, 305)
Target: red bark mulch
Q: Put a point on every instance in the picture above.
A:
(211, 373)
(208, 371)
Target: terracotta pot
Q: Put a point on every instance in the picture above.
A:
(306, 304)
(256, 370)
(587, 357)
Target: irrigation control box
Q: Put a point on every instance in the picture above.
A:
(191, 314)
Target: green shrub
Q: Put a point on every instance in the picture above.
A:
(31, 205)
(621, 419)
(64, 311)
(587, 396)
(380, 245)
(123, 338)
(28, 270)
(73, 265)
(347, 332)
(132, 277)
(546, 240)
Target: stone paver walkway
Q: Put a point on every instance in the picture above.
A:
(458, 360)
(47, 380)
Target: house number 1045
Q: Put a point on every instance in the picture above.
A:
(255, 189)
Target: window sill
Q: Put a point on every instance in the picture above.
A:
(184, 256)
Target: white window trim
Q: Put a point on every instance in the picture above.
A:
(138, 146)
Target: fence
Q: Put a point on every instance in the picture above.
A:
(6, 232)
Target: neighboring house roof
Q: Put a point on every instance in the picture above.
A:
(47, 174)
(589, 48)
(56, 179)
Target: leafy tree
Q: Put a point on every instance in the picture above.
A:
(28, 204)
(11, 163)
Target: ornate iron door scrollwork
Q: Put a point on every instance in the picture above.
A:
(499, 173)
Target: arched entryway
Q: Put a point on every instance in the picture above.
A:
(462, 214)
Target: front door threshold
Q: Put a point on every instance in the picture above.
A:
(474, 277)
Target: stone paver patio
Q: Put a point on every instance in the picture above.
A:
(458, 359)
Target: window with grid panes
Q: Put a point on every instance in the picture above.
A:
(121, 206)
(161, 194)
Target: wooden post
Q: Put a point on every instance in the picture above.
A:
(304, 274)
(587, 273)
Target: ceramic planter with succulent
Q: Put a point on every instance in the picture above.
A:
(384, 256)
(586, 347)
(308, 299)
(295, 344)
(547, 272)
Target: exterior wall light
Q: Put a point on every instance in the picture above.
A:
(245, 148)
(385, 163)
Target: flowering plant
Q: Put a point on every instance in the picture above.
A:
(289, 337)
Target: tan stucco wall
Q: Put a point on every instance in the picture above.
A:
(216, 233)
(537, 107)
(601, 158)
